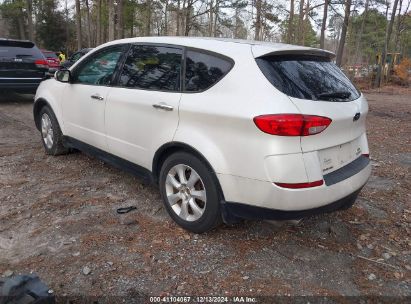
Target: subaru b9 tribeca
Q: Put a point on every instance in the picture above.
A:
(227, 129)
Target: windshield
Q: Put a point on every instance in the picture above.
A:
(308, 77)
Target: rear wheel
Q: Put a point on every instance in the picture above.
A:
(51, 134)
(190, 193)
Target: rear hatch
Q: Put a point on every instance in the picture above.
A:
(20, 60)
(316, 86)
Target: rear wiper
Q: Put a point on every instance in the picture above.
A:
(339, 95)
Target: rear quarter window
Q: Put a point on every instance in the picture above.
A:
(19, 49)
(308, 77)
(204, 69)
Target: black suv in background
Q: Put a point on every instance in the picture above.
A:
(22, 66)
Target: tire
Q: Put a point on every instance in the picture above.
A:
(50, 132)
(192, 201)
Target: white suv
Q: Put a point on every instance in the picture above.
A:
(228, 129)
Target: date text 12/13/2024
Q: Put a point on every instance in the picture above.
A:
(203, 299)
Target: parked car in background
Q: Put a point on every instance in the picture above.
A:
(75, 57)
(228, 129)
(22, 66)
(52, 60)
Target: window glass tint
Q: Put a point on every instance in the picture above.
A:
(204, 70)
(76, 56)
(308, 78)
(153, 68)
(19, 49)
(50, 55)
(100, 68)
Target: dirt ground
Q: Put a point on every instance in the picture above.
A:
(58, 219)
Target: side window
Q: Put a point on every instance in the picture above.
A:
(204, 70)
(99, 69)
(153, 68)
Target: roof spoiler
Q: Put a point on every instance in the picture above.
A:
(263, 51)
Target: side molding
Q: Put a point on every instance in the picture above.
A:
(120, 163)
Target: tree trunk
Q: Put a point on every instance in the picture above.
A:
(341, 44)
(324, 24)
(166, 18)
(104, 25)
(216, 12)
(398, 30)
(300, 22)
(30, 26)
(359, 39)
(88, 25)
(387, 41)
(98, 23)
(78, 25)
(132, 28)
(290, 22)
(307, 8)
(210, 19)
(258, 5)
(20, 21)
(120, 19)
(148, 20)
(178, 16)
(188, 17)
(66, 13)
(111, 25)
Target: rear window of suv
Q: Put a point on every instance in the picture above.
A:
(19, 49)
(308, 77)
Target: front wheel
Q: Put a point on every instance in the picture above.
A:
(51, 134)
(190, 194)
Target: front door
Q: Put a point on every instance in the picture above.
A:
(84, 98)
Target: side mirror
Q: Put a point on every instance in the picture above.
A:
(62, 75)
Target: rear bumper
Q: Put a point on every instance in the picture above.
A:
(255, 199)
(232, 212)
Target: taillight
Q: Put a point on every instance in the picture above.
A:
(314, 124)
(366, 155)
(300, 185)
(41, 63)
(292, 124)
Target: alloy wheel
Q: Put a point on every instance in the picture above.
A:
(47, 130)
(185, 192)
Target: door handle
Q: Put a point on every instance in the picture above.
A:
(163, 106)
(97, 96)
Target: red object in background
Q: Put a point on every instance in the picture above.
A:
(52, 59)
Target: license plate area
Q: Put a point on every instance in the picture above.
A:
(333, 158)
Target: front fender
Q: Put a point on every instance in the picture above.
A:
(50, 93)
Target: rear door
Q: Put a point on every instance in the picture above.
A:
(142, 111)
(21, 61)
(318, 87)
